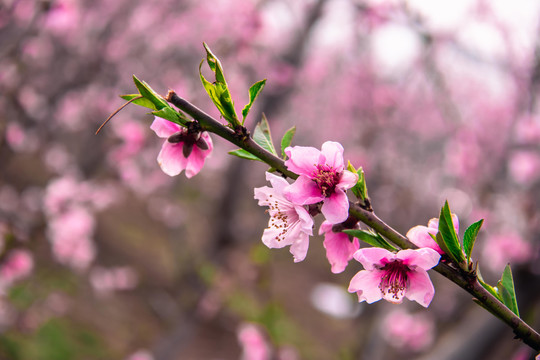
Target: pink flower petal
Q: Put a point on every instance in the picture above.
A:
(420, 287)
(171, 159)
(348, 180)
(434, 223)
(164, 128)
(372, 257)
(262, 194)
(195, 160)
(325, 227)
(306, 220)
(300, 247)
(270, 238)
(289, 224)
(303, 191)
(366, 285)
(336, 207)
(424, 258)
(339, 249)
(277, 182)
(333, 153)
(419, 236)
(302, 159)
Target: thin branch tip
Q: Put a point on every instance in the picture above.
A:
(116, 112)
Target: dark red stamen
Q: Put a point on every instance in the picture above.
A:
(326, 179)
(394, 280)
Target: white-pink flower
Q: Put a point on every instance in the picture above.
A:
(392, 276)
(253, 342)
(420, 235)
(339, 248)
(182, 150)
(289, 224)
(322, 178)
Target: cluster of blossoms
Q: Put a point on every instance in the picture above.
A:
(323, 178)
(69, 206)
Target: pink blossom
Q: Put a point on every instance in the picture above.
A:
(408, 331)
(105, 281)
(133, 136)
(253, 342)
(76, 222)
(71, 236)
(505, 248)
(339, 248)
(61, 193)
(322, 178)
(18, 265)
(182, 149)
(524, 167)
(141, 355)
(420, 235)
(392, 276)
(289, 224)
(76, 253)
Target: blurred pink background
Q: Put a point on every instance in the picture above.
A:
(103, 256)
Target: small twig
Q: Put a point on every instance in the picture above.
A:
(208, 123)
(117, 111)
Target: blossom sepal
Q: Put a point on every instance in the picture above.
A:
(360, 189)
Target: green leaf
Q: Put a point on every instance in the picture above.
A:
(286, 140)
(447, 237)
(214, 64)
(372, 238)
(241, 153)
(254, 91)
(219, 91)
(470, 236)
(263, 137)
(360, 189)
(488, 287)
(172, 115)
(148, 93)
(505, 287)
(141, 102)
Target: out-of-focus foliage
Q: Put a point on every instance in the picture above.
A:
(434, 100)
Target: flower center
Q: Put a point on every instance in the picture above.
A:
(326, 179)
(189, 138)
(394, 280)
